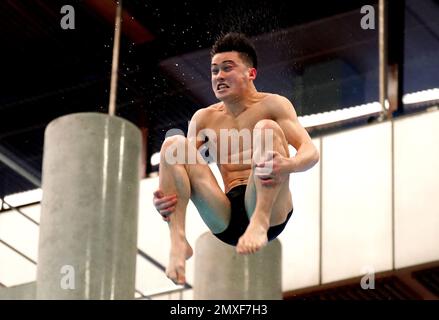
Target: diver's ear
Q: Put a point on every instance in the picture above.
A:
(252, 72)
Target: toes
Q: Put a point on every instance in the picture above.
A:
(240, 247)
(180, 275)
(172, 276)
(248, 247)
(181, 279)
(177, 276)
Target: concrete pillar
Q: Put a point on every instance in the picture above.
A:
(221, 273)
(88, 230)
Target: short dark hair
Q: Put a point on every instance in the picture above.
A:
(238, 42)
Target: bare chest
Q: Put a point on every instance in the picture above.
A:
(221, 123)
(231, 137)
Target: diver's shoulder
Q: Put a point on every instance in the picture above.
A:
(274, 98)
(208, 111)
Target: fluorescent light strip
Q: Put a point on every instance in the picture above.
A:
(22, 198)
(421, 96)
(339, 115)
(364, 109)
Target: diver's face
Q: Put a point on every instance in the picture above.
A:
(230, 75)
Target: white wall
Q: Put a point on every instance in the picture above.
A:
(300, 240)
(21, 234)
(416, 189)
(356, 202)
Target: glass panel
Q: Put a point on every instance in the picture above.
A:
(421, 50)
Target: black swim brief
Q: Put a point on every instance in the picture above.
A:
(239, 219)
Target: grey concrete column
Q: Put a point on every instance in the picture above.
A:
(221, 273)
(88, 230)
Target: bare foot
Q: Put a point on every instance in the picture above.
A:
(180, 252)
(253, 239)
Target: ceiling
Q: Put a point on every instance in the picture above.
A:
(164, 64)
